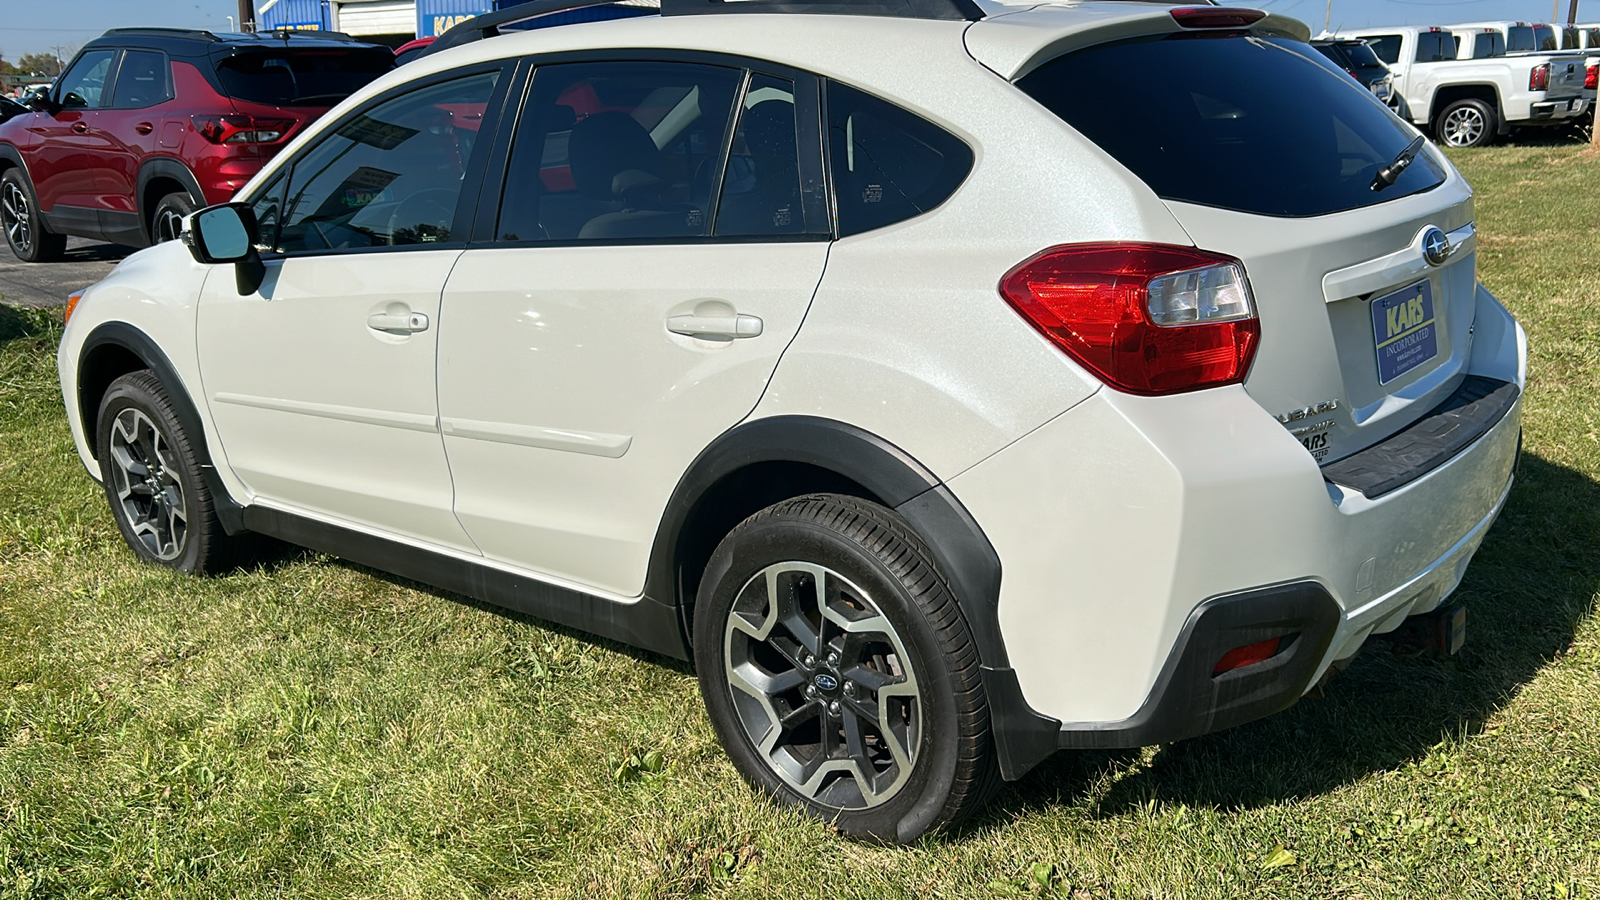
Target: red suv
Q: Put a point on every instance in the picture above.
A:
(149, 124)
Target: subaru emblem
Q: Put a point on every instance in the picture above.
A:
(826, 682)
(1436, 247)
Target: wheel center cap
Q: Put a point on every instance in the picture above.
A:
(825, 682)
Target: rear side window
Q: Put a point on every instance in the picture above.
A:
(1435, 46)
(1255, 124)
(888, 164)
(301, 77)
(1387, 46)
(142, 80)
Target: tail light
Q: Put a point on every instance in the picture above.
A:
(241, 129)
(1216, 17)
(1539, 78)
(1591, 78)
(1144, 318)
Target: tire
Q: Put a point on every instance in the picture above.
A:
(166, 222)
(151, 477)
(1466, 123)
(19, 219)
(909, 662)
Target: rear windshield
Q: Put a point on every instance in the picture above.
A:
(1519, 38)
(320, 77)
(1360, 54)
(1488, 45)
(1249, 123)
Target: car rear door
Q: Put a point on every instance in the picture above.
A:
(629, 303)
(321, 382)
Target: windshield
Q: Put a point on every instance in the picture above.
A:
(1255, 124)
(311, 77)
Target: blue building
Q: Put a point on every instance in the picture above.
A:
(394, 22)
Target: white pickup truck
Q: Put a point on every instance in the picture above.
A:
(1468, 90)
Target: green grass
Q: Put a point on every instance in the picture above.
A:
(315, 729)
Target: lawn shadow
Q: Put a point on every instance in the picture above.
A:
(17, 322)
(1530, 586)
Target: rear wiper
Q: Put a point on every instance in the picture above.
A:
(1391, 173)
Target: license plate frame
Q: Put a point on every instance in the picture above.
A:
(1405, 331)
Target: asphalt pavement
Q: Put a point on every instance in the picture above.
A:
(48, 284)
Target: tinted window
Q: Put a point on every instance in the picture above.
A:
(1487, 45)
(1387, 46)
(142, 80)
(1571, 39)
(1546, 38)
(1433, 46)
(1592, 38)
(268, 207)
(301, 77)
(1360, 54)
(1262, 125)
(85, 83)
(389, 175)
(888, 165)
(1520, 38)
(761, 186)
(618, 150)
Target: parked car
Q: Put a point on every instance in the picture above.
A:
(926, 400)
(1467, 92)
(1585, 38)
(10, 109)
(1356, 58)
(148, 124)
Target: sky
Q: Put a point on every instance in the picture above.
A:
(29, 26)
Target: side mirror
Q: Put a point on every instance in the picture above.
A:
(39, 101)
(227, 233)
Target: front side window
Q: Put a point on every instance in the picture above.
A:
(389, 175)
(888, 164)
(85, 83)
(142, 80)
(618, 151)
(1387, 46)
(1259, 125)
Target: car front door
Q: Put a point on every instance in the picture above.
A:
(641, 282)
(321, 383)
(66, 145)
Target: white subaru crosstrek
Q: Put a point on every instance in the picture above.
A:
(944, 406)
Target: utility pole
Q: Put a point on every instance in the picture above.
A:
(1572, 13)
(1327, 20)
(247, 15)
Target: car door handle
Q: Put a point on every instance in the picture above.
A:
(144, 128)
(740, 326)
(402, 323)
(80, 127)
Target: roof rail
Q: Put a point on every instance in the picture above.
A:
(194, 33)
(957, 10)
(488, 25)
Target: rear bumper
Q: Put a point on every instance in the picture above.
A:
(1116, 521)
(1559, 110)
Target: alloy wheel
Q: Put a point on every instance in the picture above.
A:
(822, 686)
(147, 486)
(1463, 127)
(169, 224)
(16, 217)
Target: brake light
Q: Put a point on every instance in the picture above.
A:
(1248, 655)
(1216, 17)
(1539, 78)
(1144, 318)
(1591, 78)
(241, 129)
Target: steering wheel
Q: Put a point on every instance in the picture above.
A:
(434, 207)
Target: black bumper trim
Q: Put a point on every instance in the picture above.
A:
(1188, 701)
(1430, 442)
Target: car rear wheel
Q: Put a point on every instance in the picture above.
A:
(151, 477)
(1466, 123)
(166, 223)
(839, 672)
(19, 218)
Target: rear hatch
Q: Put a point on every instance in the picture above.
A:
(297, 83)
(1265, 151)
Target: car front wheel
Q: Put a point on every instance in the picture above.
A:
(151, 477)
(839, 672)
(19, 218)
